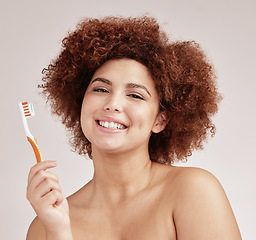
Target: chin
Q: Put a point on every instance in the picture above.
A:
(108, 146)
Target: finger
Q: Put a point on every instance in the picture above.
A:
(53, 198)
(44, 188)
(40, 166)
(40, 177)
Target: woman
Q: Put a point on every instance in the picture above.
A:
(135, 103)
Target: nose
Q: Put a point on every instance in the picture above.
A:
(113, 104)
(111, 109)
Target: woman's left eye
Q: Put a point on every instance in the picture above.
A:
(100, 90)
(136, 96)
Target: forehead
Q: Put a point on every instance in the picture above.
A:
(125, 71)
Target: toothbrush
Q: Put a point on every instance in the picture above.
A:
(27, 111)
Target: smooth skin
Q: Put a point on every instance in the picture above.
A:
(130, 197)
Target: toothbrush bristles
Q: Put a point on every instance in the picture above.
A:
(26, 109)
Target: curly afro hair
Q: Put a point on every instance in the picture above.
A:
(183, 76)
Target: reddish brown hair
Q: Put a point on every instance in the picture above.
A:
(183, 77)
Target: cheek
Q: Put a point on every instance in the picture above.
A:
(144, 116)
(85, 112)
(82, 119)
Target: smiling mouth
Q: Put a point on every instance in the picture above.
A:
(111, 125)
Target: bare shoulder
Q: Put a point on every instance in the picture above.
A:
(187, 177)
(194, 185)
(36, 231)
(181, 181)
(201, 209)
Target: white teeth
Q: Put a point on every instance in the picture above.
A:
(111, 125)
(106, 124)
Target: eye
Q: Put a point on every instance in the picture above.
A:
(136, 96)
(100, 90)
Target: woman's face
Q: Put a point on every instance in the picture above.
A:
(120, 109)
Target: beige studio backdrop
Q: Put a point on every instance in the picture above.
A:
(31, 33)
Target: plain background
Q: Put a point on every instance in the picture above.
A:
(31, 33)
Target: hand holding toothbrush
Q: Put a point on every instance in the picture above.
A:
(44, 193)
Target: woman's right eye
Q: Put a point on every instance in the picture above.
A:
(100, 90)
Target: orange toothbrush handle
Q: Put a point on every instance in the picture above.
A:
(37, 153)
(36, 150)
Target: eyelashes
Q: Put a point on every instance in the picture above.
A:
(131, 95)
(136, 96)
(100, 90)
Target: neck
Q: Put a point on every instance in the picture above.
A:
(120, 176)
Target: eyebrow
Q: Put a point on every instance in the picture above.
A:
(104, 80)
(128, 85)
(135, 85)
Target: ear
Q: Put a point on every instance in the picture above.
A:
(161, 122)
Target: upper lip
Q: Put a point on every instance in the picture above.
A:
(111, 119)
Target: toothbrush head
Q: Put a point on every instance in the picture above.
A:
(27, 109)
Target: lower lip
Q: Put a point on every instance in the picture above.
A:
(109, 130)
